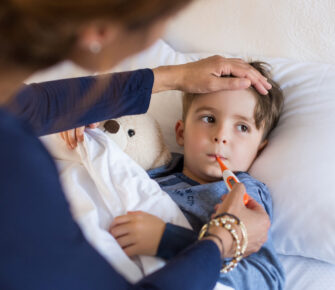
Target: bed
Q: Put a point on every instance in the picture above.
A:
(297, 38)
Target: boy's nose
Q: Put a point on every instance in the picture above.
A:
(219, 140)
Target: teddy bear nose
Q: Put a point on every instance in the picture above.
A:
(112, 126)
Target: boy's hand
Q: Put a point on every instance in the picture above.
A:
(72, 137)
(138, 233)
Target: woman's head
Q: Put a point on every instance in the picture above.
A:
(39, 33)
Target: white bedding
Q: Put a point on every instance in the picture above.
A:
(307, 274)
(101, 182)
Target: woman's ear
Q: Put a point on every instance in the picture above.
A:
(262, 146)
(95, 35)
(179, 130)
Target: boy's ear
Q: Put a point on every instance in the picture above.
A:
(179, 130)
(262, 146)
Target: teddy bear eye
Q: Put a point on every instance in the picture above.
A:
(131, 132)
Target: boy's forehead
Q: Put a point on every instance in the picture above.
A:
(244, 100)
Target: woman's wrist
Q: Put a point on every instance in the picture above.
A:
(233, 225)
(167, 78)
(227, 246)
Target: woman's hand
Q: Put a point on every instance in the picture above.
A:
(138, 233)
(253, 215)
(206, 75)
(73, 136)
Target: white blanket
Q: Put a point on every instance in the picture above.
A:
(102, 182)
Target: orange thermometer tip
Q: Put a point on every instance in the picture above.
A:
(223, 167)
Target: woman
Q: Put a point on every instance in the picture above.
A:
(41, 246)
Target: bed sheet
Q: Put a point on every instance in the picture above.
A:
(307, 274)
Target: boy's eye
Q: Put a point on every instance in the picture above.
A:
(208, 119)
(242, 128)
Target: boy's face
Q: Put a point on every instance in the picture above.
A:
(223, 124)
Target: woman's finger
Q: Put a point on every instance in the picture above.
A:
(94, 125)
(67, 140)
(79, 134)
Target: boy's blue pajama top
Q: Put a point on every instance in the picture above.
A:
(261, 270)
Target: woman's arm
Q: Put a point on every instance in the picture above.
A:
(60, 105)
(196, 268)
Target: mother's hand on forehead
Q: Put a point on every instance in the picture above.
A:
(206, 75)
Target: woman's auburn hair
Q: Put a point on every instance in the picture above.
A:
(39, 33)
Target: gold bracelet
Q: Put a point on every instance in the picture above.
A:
(228, 221)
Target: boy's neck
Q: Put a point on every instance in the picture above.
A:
(195, 178)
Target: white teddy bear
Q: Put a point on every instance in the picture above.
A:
(140, 137)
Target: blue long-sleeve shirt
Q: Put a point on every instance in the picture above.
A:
(261, 270)
(41, 247)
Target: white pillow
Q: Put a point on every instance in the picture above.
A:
(298, 164)
(299, 161)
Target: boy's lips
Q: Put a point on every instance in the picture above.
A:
(214, 156)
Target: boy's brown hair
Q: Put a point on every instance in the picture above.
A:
(268, 107)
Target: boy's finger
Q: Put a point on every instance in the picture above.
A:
(119, 231)
(131, 250)
(122, 219)
(125, 241)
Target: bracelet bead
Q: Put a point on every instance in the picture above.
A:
(227, 221)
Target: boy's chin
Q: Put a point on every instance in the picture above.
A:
(214, 178)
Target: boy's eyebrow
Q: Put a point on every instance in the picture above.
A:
(205, 108)
(250, 120)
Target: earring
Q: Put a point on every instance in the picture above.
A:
(95, 47)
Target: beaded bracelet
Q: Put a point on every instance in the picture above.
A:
(227, 221)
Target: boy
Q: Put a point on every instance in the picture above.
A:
(233, 125)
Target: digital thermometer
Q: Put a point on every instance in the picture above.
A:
(230, 179)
